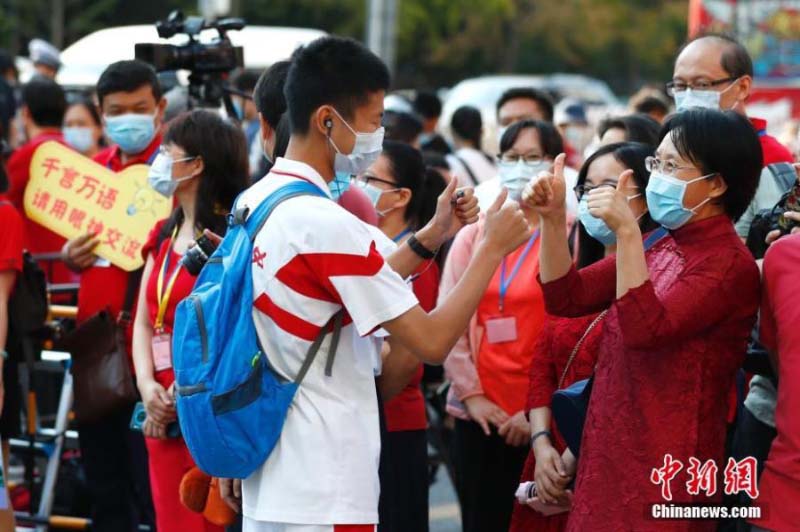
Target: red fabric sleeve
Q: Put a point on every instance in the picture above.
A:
(701, 297)
(579, 293)
(543, 378)
(12, 242)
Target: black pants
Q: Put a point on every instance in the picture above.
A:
(404, 482)
(115, 460)
(487, 475)
(752, 438)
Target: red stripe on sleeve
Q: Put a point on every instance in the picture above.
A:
(287, 321)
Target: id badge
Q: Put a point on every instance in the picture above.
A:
(501, 329)
(162, 351)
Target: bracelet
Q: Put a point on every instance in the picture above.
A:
(541, 433)
(419, 249)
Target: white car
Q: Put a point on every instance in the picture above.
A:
(84, 60)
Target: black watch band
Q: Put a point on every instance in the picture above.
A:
(419, 249)
(541, 433)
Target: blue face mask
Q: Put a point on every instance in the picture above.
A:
(339, 185)
(80, 138)
(160, 174)
(132, 132)
(665, 200)
(596, 227)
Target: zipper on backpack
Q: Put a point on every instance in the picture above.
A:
(201, 325)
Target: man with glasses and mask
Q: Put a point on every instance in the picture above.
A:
(715, 71)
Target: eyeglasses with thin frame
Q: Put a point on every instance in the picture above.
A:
(513, 158)
(364, 179)
(653, 164)
(701, 85)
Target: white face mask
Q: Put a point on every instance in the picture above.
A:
(690, 99)
(514, 176)
(366, 150)
(160, 174)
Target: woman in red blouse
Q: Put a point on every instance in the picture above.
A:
(203, 162)
(404, 195)
(566, 350)
(677, 326)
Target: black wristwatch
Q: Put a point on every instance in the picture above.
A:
(419, 249)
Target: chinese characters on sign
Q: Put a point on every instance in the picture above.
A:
(738, 476)
(72, 195)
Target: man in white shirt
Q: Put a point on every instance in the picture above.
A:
(313, 259)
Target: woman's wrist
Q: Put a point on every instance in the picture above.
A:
(629, 232)
(430, 237)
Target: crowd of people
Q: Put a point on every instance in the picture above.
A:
(607, 267)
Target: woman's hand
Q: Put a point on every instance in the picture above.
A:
(157, 402)
(482, 411)
(772, 236)
(153, 429)
(612, 207)
(546, 194)
(516, 430)
(550, 474)
(454, 210)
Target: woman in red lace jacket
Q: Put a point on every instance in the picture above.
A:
(677, 326)
(566, 350)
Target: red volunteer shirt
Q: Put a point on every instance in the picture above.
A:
(771, 149)
(13, 241)
(103, 285)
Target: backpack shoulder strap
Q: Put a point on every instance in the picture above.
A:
(336, 322)
(254, 222)
(468, 169)
(784, 174)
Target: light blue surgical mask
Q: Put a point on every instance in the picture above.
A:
(80, 138)
(665, 200)
(160, 174)
(597, 227)
(514, 176)
(374, 194)
(339, 185)
(133, 132)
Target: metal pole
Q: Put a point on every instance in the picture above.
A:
(57, 24)
(382, 30)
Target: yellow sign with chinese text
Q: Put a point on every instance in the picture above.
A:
(72, 195)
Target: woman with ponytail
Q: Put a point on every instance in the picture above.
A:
(404, 194)
(469, 163)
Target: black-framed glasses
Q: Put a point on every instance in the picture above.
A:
(701, 85)
(364, 179)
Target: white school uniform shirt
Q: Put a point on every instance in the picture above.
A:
(311, 258)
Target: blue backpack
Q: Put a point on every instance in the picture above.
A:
(231, 404)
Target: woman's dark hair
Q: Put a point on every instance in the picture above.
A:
(638, 127)
(552, 143)
(223, 149)
(91, 108)
(631, 155)
(409, 172)
(724, 143)
(467, 124)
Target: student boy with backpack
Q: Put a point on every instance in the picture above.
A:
(310, 260)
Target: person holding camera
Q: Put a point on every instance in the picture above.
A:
(203, 163)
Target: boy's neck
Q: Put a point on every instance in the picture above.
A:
(314, 154)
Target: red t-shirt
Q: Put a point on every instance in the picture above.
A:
(102, 284)
(406, 411)
(184, 283)
(40, 239)
(780, 332)
(13, 241)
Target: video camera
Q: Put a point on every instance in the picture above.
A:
(208, 63)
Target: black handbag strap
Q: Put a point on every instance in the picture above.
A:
(134, 279)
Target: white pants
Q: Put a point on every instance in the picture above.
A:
(250, 525)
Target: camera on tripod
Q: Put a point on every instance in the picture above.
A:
(208, 63)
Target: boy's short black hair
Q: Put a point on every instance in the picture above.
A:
(268, 94)
(402, 127)
(542, 99)
(46, 102)
(127, 76)
(427, 104)
(245, 80)
(331, 70)
(724, 143)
